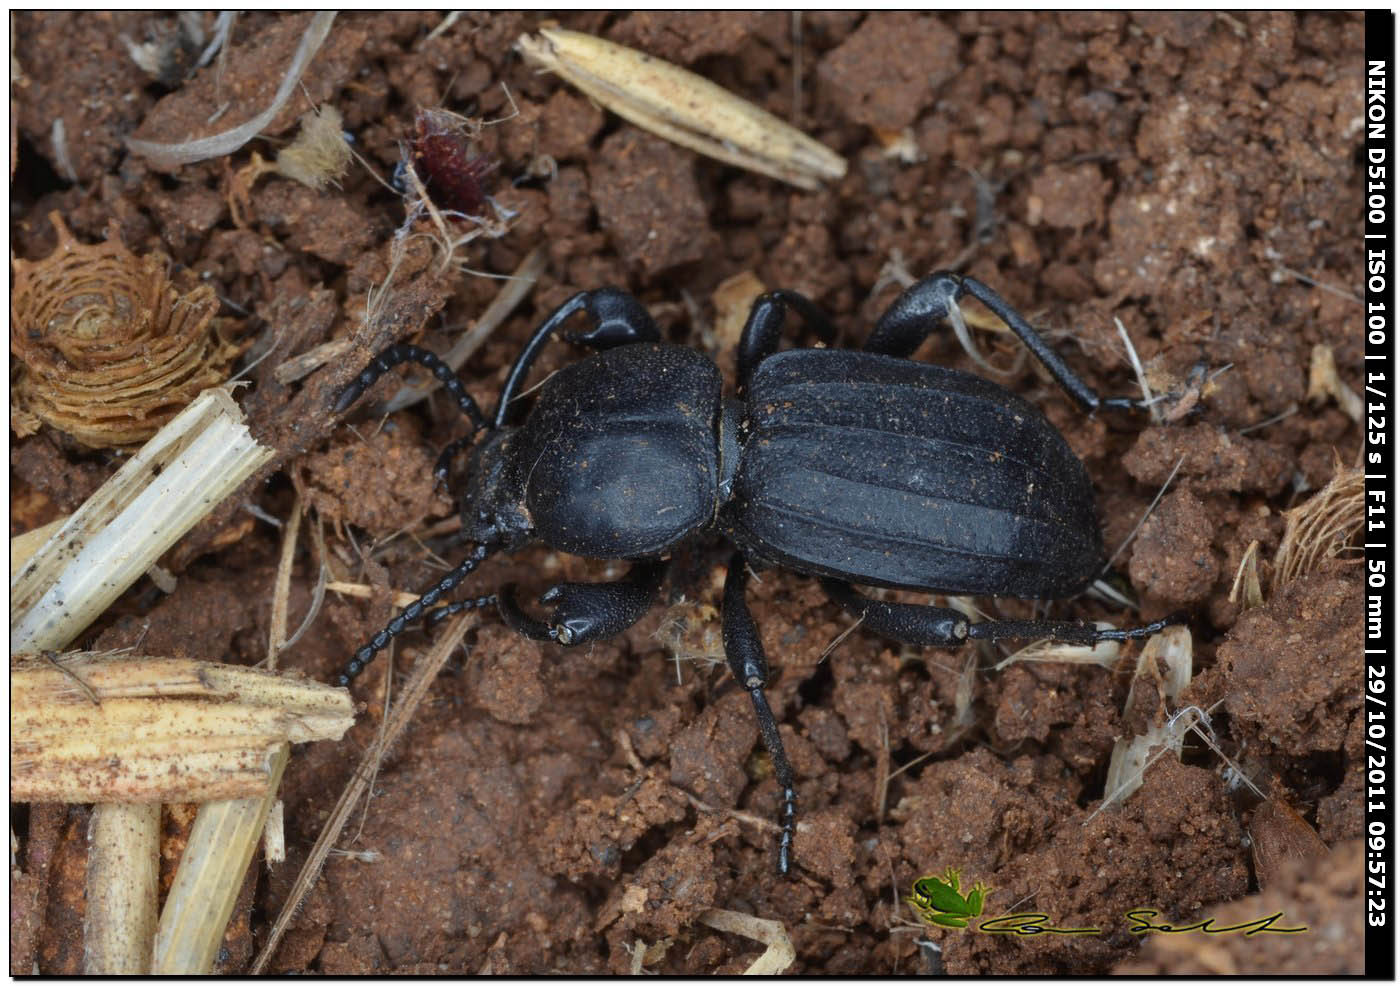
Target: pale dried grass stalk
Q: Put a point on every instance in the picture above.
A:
(217, 145)
(313, 359)
(181, 474)
(1321, 527)
(212, 870)
(23, 546)
(683, 107)
(120, 922)
(176, 478)
(362, 590)
(99, 727)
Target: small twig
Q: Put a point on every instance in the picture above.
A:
(282, 586)
(1339, 292)
(397, 719)
(742, 816)
(1287, 412)
(841, 637)
(1147, 397)
(1146, 513)
(444, 25)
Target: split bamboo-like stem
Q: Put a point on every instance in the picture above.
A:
(197, 459)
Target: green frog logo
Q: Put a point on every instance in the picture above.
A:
(941, 901)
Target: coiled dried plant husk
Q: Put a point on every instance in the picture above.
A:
(106, 348)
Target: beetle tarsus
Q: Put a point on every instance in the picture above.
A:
(743, 648)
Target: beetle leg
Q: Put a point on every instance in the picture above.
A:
(923, 626)
(935, 626)
(744, 650)
(621, 319)
(410, 613)
(764, 329)
(405, 353)
(585, 612)
(924, 304)
(444, 461)
(1069, 632)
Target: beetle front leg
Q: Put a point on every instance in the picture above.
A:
(585, 612)
(937, 626)
(913, 315)
(620, 320)
(764, 328)
(744, 650)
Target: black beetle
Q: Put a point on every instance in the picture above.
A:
(856, 467)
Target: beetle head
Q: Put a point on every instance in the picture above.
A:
(493, 503)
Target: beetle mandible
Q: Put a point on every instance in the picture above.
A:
(858, 467)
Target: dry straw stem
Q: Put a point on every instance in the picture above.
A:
(395, 721)
(217, 145)
(97, 727)
(776, 958)
(313, 359)
(215, 862)
(1322, 526)
(192, 463)
(118, 930)
(226, 832)
(23, 546)
(363, 590)
(682, 107)
(182, 473)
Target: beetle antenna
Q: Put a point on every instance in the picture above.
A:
(406, 353)
(413, 611)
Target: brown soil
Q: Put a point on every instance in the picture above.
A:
(1191, 174)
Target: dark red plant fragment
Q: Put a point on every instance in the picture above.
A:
(442, 158)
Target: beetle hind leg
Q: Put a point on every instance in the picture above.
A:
(937, 626)
(744, 650)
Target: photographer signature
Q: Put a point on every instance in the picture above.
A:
(941, 901)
